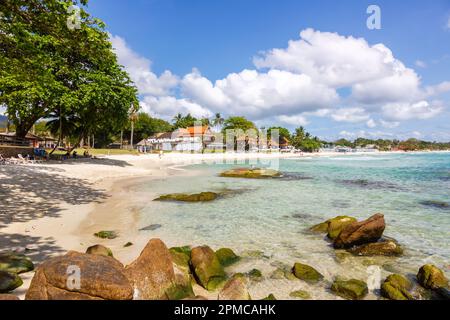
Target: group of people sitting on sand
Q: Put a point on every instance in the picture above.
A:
(39, 155)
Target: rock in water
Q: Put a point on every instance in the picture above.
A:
(99, 250)
(307, 273)
(247, 173)
(337, 224)
(78, 276)
(358, 233)
(9, 281)
(226, 257)
(183, 197)
(381, 248)
(207, 267)
(15, 263)
(396, 287)
(8, 297)
(106, 235)
(235, 289)
(152, 273)
(351, 289)
(431, 277)
(300, 294)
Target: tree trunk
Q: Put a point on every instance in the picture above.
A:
(132, 133)
(121, 139)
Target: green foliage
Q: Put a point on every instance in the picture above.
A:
(282, 132)
(236, 123)
(304, 141)
(146, 126)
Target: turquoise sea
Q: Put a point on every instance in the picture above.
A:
(272, 216)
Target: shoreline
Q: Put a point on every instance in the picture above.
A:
(114, 178)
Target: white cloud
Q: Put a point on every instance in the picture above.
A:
(438, 89)
(448, 23)
(420, 64)
(407, 111)
(389, 124)
(168, 106)
(296, 120)
(371, 123)
(352, 115)
(140, 72)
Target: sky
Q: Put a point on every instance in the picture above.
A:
(290, 63)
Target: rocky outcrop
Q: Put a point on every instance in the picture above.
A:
(338, 223)
(77, 276)
(255, 173)
(307, 273)
(152, 273)
(396, 287)
(359, 233)
(226, 257)
(99, 250)
(431, 277)
(350, 289)
(386, 247)
(235, 289)
(207, 268)
(184, 197)
(9, 281)
(15, 263)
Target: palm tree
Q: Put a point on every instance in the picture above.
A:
(178, 118)
(218, 121)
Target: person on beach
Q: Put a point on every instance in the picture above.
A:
(161, 153)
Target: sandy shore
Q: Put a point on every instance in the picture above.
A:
(47, 210)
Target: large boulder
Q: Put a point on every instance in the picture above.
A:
(99, 250)
(9, 281)
(338, 223)
(431, 277)
(235, 289)
(382, 248)
(207, 267)
(307, 273)
(15, 263)
(77, 276)
(350, 289)
(249, 173)
(396, 287)
(184, 197)
(152, 273)
(226, 257)
(358, 233)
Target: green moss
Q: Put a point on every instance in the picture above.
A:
(277, 274)
(183, 197)
(216, 283)
(270, 297)
(352, 289)
(336, 225)
(179, 292)
(180, 258)
(257, 254)
(255, 173)
(321, 227)
(106, 235)
(9, 281)
(226, 256)
(185, 249)
(382, 248)
(396, 287)
(301, 294)
(255, 275)
(307, 273)
(128, 244)
(15, 263)
(206, 272)
(431, 277)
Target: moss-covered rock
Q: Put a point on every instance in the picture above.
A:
(9, 281)
(350, 289)
(255, 275)
(226, 256)
(431, 277)
(300, 294)
(15, 263)
(184, 197)
(207, 268)
(99, 250)
(333, 226)
(277, 274)
(254, 254)
(307, 273)
(270, 297)
(106, 235)
(382, 248)
(396, 287)
(181, 256)
(249, 173)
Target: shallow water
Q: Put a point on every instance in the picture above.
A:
(273, 216)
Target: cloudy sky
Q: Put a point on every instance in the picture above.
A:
(290, 63)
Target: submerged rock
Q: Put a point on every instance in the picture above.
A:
(307, 273)
(358, 233)
(247, 173)
(184, 197)
(350, 289)
(386, 247)
(15, 263)
(207, 267)
(396, 287)
(431, 277)
(151, 227)
(226, 257)
(106, 235)
(255, 275)
(100, 250)
(235, 289)
(436, 204)
(128, 244)
(101, 278)
(301, 294)
(9, 281)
